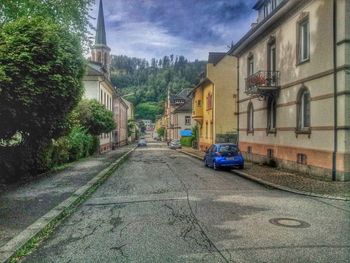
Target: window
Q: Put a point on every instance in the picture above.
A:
(271, 117)
(250, 149)
(250, 119)
(304, 110)
(187, 120)
(250, 65)
(271, 62)
(304, 40)
(199, 103)
(301, 158)
(206, 130)
(209, 101)
(211, 130)
(270, 153)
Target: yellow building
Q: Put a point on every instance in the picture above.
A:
(214, 101)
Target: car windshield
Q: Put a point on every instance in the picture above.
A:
(225, 149)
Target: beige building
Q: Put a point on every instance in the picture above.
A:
(294, 89)
(96, 81)
(97, 87)
(177, 111)
(214, 101)
(120, 112)
(182, 119)
(131, 121)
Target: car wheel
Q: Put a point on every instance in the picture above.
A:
(205, 162)
(215, 167)
(241, 167)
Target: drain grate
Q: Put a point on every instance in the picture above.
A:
(289, 222)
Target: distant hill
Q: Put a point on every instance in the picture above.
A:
(145, 84)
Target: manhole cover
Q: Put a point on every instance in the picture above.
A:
(289, 222)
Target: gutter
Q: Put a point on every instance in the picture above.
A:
(237, 100)
(335, 97)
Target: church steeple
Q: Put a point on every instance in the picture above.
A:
(100, 38)
(100, 52)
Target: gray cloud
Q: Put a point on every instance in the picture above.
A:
(154, 28)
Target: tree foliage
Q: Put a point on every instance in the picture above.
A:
(148, 110)
(72, 14)
(41, 67)
(95, 117)
(148, 83)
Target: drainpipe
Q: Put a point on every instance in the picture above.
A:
(237, 99)
(334, 157)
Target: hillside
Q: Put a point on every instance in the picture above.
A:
(145, 84)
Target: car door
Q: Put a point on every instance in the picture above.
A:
(213, 154)
(208, 155)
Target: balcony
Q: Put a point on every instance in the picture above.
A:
(197, 114)
(263, 83)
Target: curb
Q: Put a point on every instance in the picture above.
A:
(276, 186)
(52, 218)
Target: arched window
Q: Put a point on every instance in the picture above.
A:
(250, 119)
(304, 108)
(271, 115)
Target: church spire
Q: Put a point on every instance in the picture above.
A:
(100, 52)
(100, 38)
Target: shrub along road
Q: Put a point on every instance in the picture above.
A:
(164, 206)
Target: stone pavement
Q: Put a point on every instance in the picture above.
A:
(286, 180)
(21, 205)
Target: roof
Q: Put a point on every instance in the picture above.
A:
(203, 81)
(100, 37)
(186, 107)
(182, 95)
(215, 57)
(259, 4)
(95, 69)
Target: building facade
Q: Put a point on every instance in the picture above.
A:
(97, 84)
(175, 119)
(120, 113)
(294, 89)
(131, 124)
(214, 101)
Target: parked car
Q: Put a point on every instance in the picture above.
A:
(175, 144)
(141, 143)
(223, 155)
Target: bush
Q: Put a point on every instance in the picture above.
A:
(93, 116)
(186, 141)
(80, 143)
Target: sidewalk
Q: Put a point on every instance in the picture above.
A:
(21, 206)
(286, 180)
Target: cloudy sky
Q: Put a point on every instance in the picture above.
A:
(155, 28)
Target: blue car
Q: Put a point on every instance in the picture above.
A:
(223, 155)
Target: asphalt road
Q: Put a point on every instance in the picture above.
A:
(163, 206)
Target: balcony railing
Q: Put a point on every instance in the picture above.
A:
(263, 83)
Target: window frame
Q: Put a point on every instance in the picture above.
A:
(271, 115)
(187, 120)
(303, 20)
(250, 118)
(302, 111)
(250, 65)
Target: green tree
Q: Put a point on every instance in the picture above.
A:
(73, 14)
(161, 132)
(148, 110)
(41, 67)
(95, 117)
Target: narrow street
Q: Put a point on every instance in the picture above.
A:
(164, 206)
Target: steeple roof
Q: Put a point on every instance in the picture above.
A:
(100, 38)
